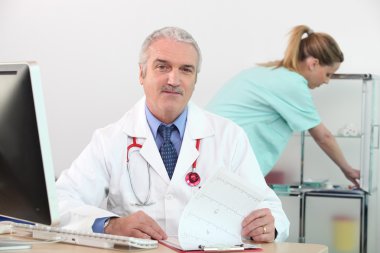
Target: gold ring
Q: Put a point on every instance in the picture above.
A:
(265, 229)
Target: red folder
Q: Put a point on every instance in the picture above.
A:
(238, 249)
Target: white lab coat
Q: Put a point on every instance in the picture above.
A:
(100, 172)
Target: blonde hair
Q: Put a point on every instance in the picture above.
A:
(303, 42)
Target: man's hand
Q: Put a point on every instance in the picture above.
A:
(259, 225)
(138, 225)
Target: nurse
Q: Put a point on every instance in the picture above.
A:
(273, 100)
(136, 175)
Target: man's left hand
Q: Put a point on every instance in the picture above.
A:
(259, 225)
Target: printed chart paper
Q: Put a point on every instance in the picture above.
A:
(213, 216)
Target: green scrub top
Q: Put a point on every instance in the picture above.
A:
(269, 104)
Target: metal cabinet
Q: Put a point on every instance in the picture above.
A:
(336, 217)
(348, 106)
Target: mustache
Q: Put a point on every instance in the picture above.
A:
(174, 89)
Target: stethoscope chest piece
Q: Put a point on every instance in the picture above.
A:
(193, 179)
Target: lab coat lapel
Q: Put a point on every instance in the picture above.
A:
(187, 156)
(151, 154)
(197, 127)
(140, 129)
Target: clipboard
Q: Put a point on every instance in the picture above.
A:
(202, 249)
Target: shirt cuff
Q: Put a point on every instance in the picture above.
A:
(98, 226)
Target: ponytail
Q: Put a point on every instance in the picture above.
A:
(293, 53)
(303, 42)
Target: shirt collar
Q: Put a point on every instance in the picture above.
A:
(154, 123)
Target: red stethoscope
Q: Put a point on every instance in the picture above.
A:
(192, 178)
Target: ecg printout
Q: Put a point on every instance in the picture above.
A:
(214, 214)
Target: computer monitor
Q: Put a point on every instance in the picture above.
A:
(27, 182)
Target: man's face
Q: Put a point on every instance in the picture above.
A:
(170, 78)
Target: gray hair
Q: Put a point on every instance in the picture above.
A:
(173, 33)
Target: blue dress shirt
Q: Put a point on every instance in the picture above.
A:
(177, 134)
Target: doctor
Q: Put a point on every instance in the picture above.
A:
(146, 174)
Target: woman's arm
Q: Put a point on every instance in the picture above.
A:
(328, 144)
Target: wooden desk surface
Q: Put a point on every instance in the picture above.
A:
(64, 247)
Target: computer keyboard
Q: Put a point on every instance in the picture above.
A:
(81, 238)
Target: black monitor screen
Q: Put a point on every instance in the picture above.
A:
(26, 171)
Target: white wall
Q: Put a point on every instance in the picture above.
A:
(88, 49)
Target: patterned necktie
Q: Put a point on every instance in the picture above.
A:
(168, 153)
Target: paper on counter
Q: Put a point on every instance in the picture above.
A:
(214, 214)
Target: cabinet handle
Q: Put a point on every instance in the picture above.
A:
(377, 126)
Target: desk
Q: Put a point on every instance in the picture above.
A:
(64, 247)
